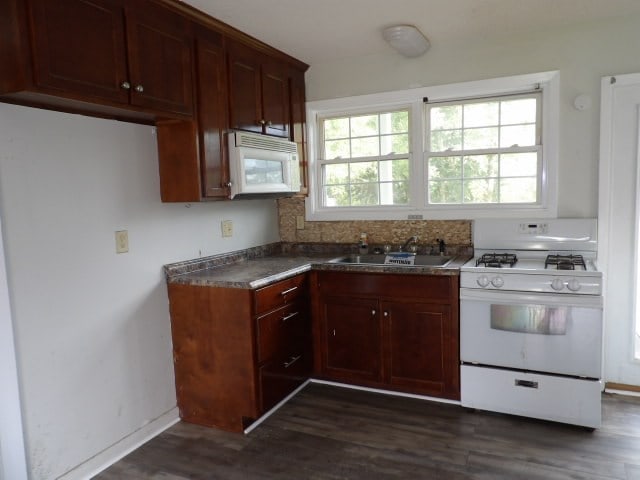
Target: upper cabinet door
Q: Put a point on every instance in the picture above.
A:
(275, 98)
(160, 59)
(79, 47)
(245, 104)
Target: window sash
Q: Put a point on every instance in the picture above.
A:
(498, 151)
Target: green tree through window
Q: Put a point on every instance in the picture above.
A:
(365, 159)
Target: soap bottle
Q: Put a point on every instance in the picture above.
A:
(364, 244)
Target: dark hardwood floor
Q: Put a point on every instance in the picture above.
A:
(327, 432)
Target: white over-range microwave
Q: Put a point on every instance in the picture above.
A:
(260, 164)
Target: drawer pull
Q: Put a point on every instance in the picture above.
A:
(291, 315)
(291, 361)
(526, 383)
(288, 291)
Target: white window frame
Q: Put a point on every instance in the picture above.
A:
(547, 82)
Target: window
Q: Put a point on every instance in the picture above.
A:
(364, 159)
(474, 149)
(484, 151)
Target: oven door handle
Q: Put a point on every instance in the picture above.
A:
(504, 297)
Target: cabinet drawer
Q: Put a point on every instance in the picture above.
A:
(281, 329)
(280, 294)
(282, 376)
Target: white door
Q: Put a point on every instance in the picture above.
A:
(618, 224)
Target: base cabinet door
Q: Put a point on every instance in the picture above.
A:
(421, 348)
(352, 338)
(389, 331)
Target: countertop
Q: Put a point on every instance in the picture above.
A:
(258, 272)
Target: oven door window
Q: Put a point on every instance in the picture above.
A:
(536, 319)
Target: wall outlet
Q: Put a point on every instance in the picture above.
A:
(227, 228)
(299, 222)
(122, 241)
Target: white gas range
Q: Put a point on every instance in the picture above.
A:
(531, 320)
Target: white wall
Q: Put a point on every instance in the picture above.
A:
(583, 55)
(92, 328)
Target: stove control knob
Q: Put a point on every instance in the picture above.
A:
(573, 285)
(497, 282)
(557, 284)
(482, 280)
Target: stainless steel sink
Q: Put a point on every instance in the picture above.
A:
(371, 259)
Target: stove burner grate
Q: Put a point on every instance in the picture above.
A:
(497, 260)
(564, 262)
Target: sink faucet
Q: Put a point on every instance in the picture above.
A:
(441, 246)
(413, 239)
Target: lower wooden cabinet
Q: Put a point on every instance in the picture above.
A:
(397, 332)
(238, 352)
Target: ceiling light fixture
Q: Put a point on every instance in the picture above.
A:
(406, 39)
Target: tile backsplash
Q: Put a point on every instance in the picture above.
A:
(453, 232)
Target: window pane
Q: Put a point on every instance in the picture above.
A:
(481, 166)
(476, 138)
(364, 125)
(336, 128)
(446, 118)
(518, 111)
(364, 194)
(364, 172)
(394, 144)
(481, 114)
(445, 167)
(446, 140)
(447, 191)
(521, 135)
(519, 164)
(336, 196)
(337, 149)
(394, 170)
(518, 190)
(365, 147)
(481, 191)
(336, 173)
(396, 193)
(394, 122)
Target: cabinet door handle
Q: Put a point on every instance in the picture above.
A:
(228, 184)
(526, 383)
(288, 291)
(334, 332)
(291, 315)
(386, 314)
(373, 312)
(291, 361)
(125, 85)
(269, 123)
(262, 122)
(139, 88)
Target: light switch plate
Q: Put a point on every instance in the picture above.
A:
(227, 228)
(122, 241)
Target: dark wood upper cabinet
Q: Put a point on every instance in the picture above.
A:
(79, 47)
(299, 124)
(122, 59)
(160, 58)
(192, 154)
(258, 92)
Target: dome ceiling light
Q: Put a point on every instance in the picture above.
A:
(406, 39)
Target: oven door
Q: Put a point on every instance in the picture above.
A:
(553, 333)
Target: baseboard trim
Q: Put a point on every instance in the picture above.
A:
(622, 388)
(122, 448)
(273, 410)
